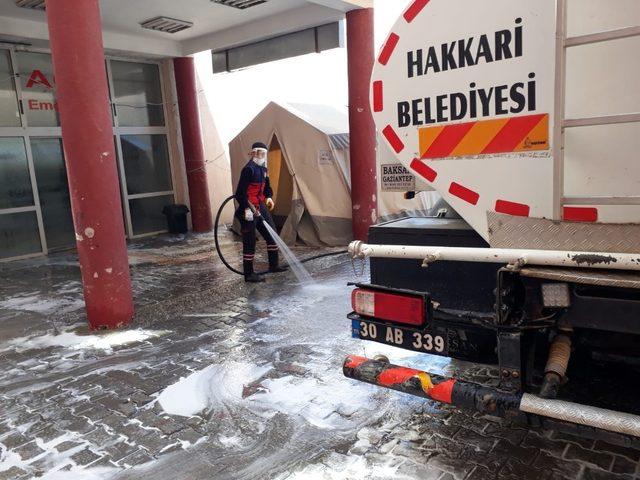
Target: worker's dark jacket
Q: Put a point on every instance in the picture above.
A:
(253, 187)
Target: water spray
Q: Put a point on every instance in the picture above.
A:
(234, 270)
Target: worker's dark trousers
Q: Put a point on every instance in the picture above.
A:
(249, 239)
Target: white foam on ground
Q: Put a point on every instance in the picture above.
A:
(54, 460)
(343, 467)
(215, 385)
(324, 399)
(73, 341)
(230, 441)
(324, 403)
(36, 302)
(9, 459)
(85, 474)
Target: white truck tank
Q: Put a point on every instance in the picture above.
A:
(523, 114)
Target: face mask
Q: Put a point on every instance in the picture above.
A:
(260, 161)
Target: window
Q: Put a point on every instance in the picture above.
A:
(19, 232)
(146, 214)
(137, 93)
(9, 113)
(35, 206)
(36, 81)
(146, 163)
(15, 187)
(141, 141)
(53, 191)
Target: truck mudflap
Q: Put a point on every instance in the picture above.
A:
(520, 407)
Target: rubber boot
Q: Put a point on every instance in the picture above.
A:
(249, 275)
(273, 262)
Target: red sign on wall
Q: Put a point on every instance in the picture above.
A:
(38, 78)
(38, 81)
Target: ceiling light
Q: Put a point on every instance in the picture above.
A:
(166, 24)
(31, 4)
(241, 4)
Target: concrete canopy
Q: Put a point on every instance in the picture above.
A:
(215, 26)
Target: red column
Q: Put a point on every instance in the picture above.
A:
(185, 72)
(362, 130)
(75, 34)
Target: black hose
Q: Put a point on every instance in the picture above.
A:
(215, 236)
(324, 255)
(226, 264)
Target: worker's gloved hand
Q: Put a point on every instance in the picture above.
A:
(257, 217)
(248, 215)
(270, 204)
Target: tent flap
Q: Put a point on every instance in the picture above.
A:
(289, 233)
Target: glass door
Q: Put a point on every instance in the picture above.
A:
(19, 231)
(53, 190)
(141, 143)
(35, 207)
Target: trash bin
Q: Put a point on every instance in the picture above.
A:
(176, 218)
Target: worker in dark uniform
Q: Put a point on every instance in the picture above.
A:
(255, 191)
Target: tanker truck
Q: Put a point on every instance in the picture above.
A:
(524, 116)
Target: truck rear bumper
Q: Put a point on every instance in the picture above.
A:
(520, 407)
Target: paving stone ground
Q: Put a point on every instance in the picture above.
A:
(277, 404)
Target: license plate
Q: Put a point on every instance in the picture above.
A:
(428, 341)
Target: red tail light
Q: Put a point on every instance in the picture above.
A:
(393, 307)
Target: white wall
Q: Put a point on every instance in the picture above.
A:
(216, 156)
(174, 135)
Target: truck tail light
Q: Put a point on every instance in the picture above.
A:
(393, 307)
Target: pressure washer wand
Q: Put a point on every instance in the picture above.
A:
(256, 214)
(255, 211)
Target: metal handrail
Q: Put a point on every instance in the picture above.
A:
(600, 200)
(559, 107)
(601, 120)
(562, 44)
(511, 256)
(606, 36)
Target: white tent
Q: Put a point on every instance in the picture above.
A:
(310, 172)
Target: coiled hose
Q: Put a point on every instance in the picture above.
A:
(234, 270)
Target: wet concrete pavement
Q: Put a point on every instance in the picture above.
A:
(255, 375)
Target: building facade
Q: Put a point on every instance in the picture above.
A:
(123, 73)
(35, 210)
